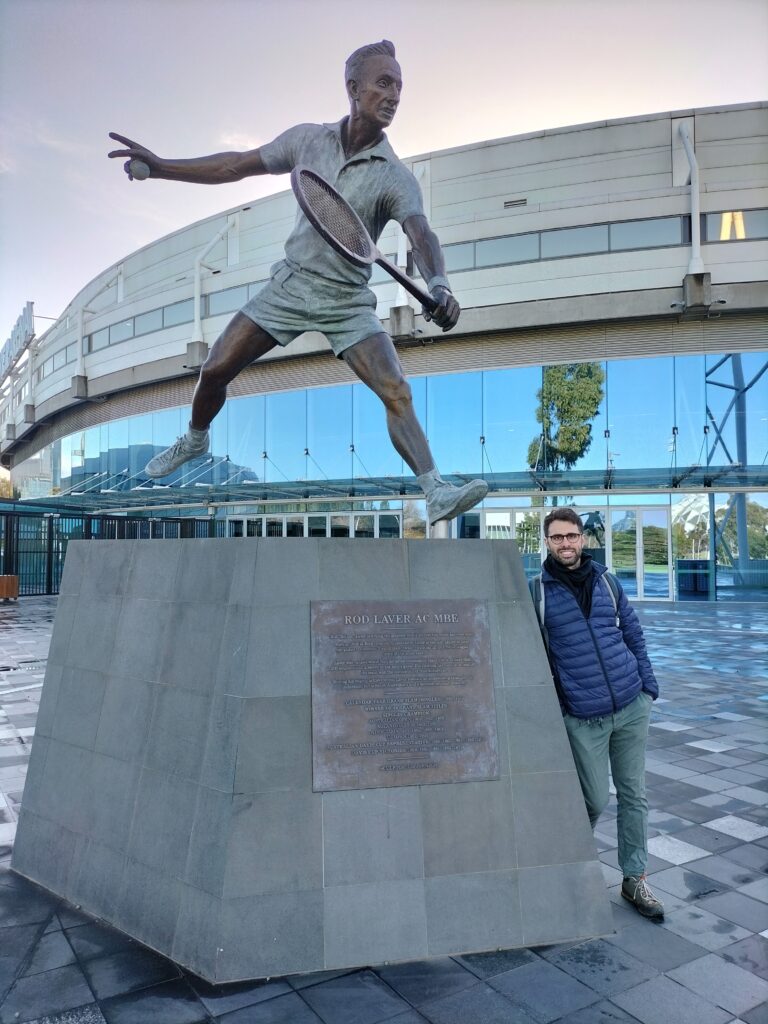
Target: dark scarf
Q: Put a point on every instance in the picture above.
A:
(578, 581)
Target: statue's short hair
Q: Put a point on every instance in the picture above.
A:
(356, 60)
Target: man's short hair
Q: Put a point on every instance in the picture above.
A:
(562, 513)
(356, 60)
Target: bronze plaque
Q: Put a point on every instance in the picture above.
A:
(402, 694)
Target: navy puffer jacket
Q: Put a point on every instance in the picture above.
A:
(599, 667)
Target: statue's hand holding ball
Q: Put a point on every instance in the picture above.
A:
(138, 170)
(138, 166)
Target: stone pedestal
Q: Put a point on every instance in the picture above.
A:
(170, 786)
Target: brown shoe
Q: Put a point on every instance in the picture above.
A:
(637, 891)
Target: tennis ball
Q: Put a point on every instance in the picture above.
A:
(139, 169)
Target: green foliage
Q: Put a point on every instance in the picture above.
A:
(569, 399)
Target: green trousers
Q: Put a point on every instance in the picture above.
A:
(616, 742)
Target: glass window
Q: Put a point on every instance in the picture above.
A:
(227, 301)
(459, 257)
(235, 527)
(121, 332)
(99, 339)
(329, 434)
(274, 526)
(574, 241)
(469, 526)
(389, 525)
(60, 359)
(690, 412)
(317, 526)
(253, 527)
(640, 413)
(646, 234)
(145, 323)
(570, 416)
(178, 313)
(736, 225)
(245, 436)
(339, 526)
(374, 454)
(364, 526)
(509, 418)
(71, 352)
(454, 422)
(285, 436)
(294, 526)
(737, 393)
(512, 249)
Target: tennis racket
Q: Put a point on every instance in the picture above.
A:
(335, 220)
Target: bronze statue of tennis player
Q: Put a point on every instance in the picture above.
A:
(314, 288)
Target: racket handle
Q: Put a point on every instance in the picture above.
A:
(409, 284)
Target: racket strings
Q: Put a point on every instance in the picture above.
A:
(331, 210)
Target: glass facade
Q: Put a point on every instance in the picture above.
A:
(587, 433)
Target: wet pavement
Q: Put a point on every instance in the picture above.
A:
(707, 963)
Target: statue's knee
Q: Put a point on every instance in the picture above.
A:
(213, 374)
(398, 393)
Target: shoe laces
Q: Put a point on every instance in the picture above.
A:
(644, 890)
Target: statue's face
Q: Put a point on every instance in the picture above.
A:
(377, 92)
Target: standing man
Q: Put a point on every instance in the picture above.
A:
(606, 687)
(314, 288)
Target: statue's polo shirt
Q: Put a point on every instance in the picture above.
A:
(375, 182)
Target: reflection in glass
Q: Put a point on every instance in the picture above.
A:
(454, 419)
(245, 435)
(509, 417)
(574, 241)
(498, 525)
(329, 432)
(624, 554)
(317, 526)
(227, 301)
(469, 526)
(364, 526)
(459, 257)
(274, 527)
(570, 397)
(144, 323)
(646, 234)
(178, 313)
(389, 526)
(640, 413)
(235, 527)
(736, 225)
(374, 454)
(340, 526)
(512, 249)
(294, 526)
(655, 553)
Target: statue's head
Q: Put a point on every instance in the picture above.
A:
(374, 81)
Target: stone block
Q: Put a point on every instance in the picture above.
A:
(477, 911)
(169, 790)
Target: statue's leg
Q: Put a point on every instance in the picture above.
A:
(377, 364)
(241, 342)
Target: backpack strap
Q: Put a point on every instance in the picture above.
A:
(614, 590)
(536, 588)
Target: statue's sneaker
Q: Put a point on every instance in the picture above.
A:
(182, 450)
(447, 501)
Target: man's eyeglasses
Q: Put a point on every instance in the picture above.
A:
(558, 538)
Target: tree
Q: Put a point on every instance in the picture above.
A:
(569, 399)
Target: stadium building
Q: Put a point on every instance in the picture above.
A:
(611, 354)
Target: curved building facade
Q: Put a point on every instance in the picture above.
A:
(612, 354)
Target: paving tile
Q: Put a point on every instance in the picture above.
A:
(602, 966)
(756, 890)
(707, 838)
(51, 951)
(30, 906)
(673, 850)
(221, 999)
(688, 885)
(599, 1013)
(728, 872)
(704, 928)
(359, 998)
(480, 1005)
(661, 1000)
(721, 983)
(757, 1016)
(734, 906)
(486, 965)
(127, 971)
(286, 1009)
(750, 855)
(83, 1015)
(61, 989)
(661, 948)
(171, 1003)
(543, 991)
(751, 954)
(95, 939)
(421, 981)
(741, 828)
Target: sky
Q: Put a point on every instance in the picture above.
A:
(190, 77)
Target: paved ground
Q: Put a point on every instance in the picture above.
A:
(706, 964)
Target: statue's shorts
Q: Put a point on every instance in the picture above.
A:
(293, 302)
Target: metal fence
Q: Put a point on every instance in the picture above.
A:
(33, 545)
